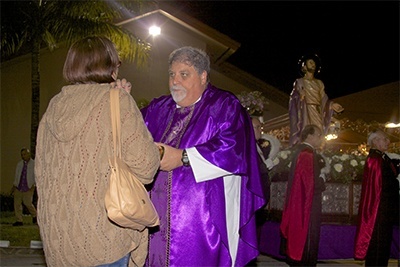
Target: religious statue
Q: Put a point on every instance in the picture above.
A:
(308, 102)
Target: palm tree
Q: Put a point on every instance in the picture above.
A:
(28, 26)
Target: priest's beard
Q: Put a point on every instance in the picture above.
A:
(178, 93)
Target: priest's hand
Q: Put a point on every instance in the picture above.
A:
(171, 159)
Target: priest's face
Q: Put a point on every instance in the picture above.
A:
(185, 84)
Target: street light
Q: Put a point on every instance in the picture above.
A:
(333, 131)
(154, 30)
(392, 125)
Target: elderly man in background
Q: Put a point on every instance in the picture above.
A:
(379, 203)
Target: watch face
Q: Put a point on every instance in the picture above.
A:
(185, 158)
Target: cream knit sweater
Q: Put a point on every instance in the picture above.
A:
(74, 144)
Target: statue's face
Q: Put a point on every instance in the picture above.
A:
(310, 65)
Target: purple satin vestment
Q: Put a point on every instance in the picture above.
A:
(193, 228)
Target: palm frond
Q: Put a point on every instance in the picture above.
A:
(66, 21)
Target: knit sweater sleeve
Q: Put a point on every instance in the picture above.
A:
(139, 151)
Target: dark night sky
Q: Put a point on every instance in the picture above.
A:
(357, 41)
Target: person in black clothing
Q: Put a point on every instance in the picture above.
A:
(379, 203)
(266, 148)
(301, 217)
(263, 149)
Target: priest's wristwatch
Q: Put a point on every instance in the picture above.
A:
(185, 158)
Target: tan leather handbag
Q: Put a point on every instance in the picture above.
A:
(127, 201)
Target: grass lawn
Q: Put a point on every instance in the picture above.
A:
(19, 236)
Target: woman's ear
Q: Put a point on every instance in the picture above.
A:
(114, 75)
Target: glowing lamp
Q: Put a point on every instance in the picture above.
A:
(154, 30)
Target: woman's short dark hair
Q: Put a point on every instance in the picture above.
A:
(91, 60)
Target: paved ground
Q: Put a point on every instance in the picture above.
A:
(34, 257)
(21, 257)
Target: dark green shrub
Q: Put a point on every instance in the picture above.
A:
(6, 202)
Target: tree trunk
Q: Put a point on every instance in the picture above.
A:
(35, 94)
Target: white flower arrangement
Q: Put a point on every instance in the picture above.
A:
(282, 163)
(253, 101)
(341, 167)
(346, 167)
(338, 167)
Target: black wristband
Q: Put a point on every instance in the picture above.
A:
(185, 158)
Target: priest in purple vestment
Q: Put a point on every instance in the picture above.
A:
(208, 187)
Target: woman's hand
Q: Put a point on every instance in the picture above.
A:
(122, 84)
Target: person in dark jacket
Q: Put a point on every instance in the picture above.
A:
(301, 217)
(379, 204)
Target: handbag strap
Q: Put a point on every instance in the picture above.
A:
(115, 121)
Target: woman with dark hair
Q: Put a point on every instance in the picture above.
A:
(74, 145)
